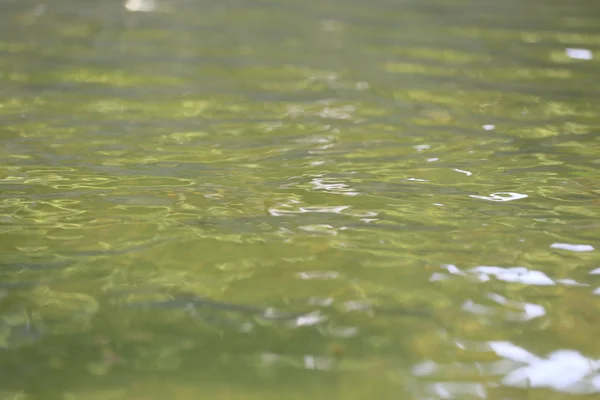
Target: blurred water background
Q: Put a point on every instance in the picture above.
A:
(338, 199)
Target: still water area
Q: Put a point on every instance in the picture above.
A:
(277, 199)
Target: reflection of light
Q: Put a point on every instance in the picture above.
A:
(309, 319)
(579, 54)
(572, 247)
(462, 171)
(331, 186)
(563, 370)
(515, 274)
(302, 210)
(316, 139)
(595, 271)
(323, 275)
(140, 5)
(570, 282)
(512, 352)
(425, 368)
(501, 196)
(528, 311)
(489, 127)
(322, 228)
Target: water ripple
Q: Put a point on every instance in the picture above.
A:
(382, 200)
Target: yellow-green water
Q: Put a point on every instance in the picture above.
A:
(269, 199)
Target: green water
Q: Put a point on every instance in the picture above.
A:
(267, 199)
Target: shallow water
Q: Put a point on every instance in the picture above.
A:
(283, 199)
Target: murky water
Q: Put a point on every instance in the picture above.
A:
(281, 199)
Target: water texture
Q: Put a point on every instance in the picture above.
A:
(286, 200)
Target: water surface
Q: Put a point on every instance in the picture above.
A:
(280, 199)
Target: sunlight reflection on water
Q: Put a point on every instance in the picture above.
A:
(335, 200)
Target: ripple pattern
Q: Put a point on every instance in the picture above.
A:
(288, 199)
